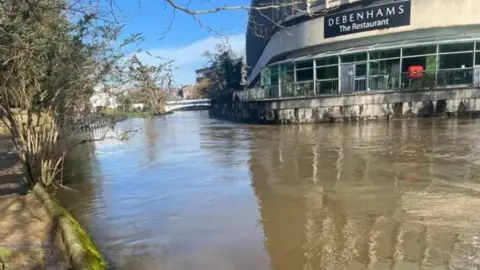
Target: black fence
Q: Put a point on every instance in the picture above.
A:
(87, 128)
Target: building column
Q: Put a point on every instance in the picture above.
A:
(437, 64)
(279, 82)
(294, 79)
(400, 78)
(314, 77)
(474, 70)
(339, 74)
(367, 76)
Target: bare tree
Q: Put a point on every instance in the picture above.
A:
(152, 81)
(52, 56)
(273, 12)
(55, 53)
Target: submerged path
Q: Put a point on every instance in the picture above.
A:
(29, 238)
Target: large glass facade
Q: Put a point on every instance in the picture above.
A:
(304, 78)
(443, 64)
(287, 79)
(327, 75)
(384, 71)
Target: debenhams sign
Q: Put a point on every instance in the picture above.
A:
(372, 18)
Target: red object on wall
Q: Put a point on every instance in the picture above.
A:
(415, 72)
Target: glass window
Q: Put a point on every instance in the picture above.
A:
(265, 77)
(360, 85)
(385, 67)
(327, 61)
(305, 64)
(375, 67)
(286, 67)
(477, 59)
(361, 70)
(287, 76)
(456, 47)
(455, 77)
(274, 75)
(431, 63)
(385, 54)
(317, 2)
(420, 50)
(285, 11)
(327, 87)
(305, 75)
(298, 6)
(304, 70)
(327, 73)
(414, 61)
(478, 45)
(274, 14)
(357, 57)
(459, 60)
(286, 73)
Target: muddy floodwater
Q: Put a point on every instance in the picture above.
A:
(191, 192)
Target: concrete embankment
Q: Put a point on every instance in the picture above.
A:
(81, 251)
(372, 105)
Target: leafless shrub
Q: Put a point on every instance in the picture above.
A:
(52, 56)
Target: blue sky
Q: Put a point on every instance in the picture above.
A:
(186, 41)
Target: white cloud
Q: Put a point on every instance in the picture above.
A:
(189, 58)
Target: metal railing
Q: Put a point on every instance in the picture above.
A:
(360, 85)
(326, 87)
(464, 77)
(299, 89)
(426, 80)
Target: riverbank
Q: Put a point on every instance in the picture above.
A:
(36, 232)
(126, 115)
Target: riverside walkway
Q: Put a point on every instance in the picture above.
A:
(29, 238)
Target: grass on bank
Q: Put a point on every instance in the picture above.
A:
(93, 257)
(83, 252)
(136, 114)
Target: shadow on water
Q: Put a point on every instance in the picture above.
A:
(189, 192)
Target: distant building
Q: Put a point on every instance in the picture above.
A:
(350, 46)
(188, 92)
(203, 73)
(103, 99)
(138, 106)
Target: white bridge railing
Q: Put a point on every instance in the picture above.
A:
(188, 103)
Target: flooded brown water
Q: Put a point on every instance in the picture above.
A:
(190, 192)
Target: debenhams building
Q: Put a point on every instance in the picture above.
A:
(362, 45)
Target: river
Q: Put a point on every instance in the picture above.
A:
(191, 192)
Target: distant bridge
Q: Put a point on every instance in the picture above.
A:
(171, 106)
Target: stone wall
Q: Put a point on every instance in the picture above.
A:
(353, 107)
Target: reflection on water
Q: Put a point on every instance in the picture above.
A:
(189, 192)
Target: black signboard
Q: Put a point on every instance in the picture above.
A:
(366, 19)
